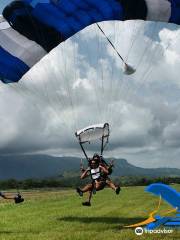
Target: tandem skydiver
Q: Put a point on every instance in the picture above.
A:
(98, 170)
(17, 198)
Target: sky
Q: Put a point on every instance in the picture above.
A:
(81, 83)
(3, 3)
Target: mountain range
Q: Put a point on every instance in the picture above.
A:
(44, 166)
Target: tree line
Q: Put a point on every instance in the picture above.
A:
(73, 182)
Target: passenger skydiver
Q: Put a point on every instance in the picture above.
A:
(109, 167)
(99, 171)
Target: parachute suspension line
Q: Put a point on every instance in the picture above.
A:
(116, 83)
(135, 33)
(100, 50)
(55, 99)
(111, 81)
(125, 84)
(74, 78)
(147, 45)
(104, 144)
(47, 92)
(150, 70)
(51, 102)
(146, 76)
(61, 102)
(112, 45)
(127, 68)
(64, 75)
(117, 54)
(35, 90)
(23, 91)
(93, 81)
(38, 34)
(115, 93)
(130, 91)
(119, 89)
(100, 72)
(68, 90)
(125, 88)
(56, 102)
(85, 154)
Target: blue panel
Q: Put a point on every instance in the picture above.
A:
(175, 11)
(69, 17)
(95, 14)
(75, 25)
(80, 4)
(103, 7)
(117, 9)
(11, 68)
(84, 18)
(69, 7)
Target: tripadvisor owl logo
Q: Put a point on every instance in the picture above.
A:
(139, 231)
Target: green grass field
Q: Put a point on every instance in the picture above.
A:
(59, 215)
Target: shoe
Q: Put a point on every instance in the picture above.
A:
(86, 204)
(118, 189)
(78, 190)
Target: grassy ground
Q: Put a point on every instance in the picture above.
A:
(58, 215)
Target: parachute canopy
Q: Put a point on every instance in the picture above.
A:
(93, 132)
(167, 193)
(32, 28)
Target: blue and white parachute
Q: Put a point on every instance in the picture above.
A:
(29, 29)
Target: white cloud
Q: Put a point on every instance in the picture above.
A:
(81, 83)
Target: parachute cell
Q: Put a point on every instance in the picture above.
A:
(92, 133)
(40, 25)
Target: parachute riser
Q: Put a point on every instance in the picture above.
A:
(128, 70)
(84, 151)
(101, 132)
(103, 144)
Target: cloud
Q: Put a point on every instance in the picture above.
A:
(81, 83)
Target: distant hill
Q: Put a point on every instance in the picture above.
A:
(42, 166)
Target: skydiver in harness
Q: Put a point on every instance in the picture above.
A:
(17, 198)
(99, 175)
(98, 169)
